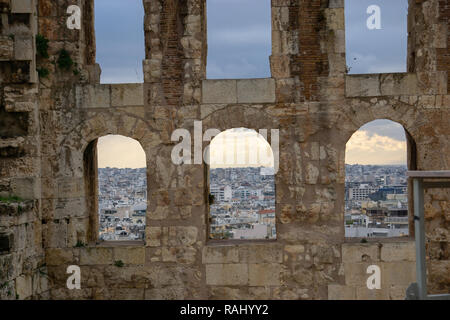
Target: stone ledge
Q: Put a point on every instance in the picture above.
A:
(238, 91)
(393, 84)
(109, 95)
(22, 6)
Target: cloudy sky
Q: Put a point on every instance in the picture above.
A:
(239, 46)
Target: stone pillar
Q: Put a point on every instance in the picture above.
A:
(176, 51)
(428, 53)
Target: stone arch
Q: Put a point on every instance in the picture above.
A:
(411, 157)
(252, 117)
(77, 153)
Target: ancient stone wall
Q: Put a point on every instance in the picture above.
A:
(48, 157)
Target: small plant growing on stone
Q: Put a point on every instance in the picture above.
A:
(64, 60)
(119, 263)
(43, 72)
(11, 199)
(42, 46)
(11, 36)
(364, 240)
(80, 244)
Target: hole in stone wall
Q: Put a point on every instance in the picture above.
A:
(376, 185)
(239, 39)
(376, 36)
(241, 186)
(120, 40)
(13, 124)
(122, 189)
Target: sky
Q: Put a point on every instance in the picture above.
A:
(239, 46)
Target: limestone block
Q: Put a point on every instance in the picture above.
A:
(185, 255)
(362, 85)
(25, 188)
(181, 236)
(356, 273)
(153, 236)
(335, 18)
(93, 256)
(294, 252)
(23, 48)
(166, 293)
(58, 256)
(397, 292)
(264, 274)
(359, 252)
(312, 174)
(280, 66)
(93, 96)
(398, 251)
(220, 254)
(256, 91)
(124, 294)
(130, 255)
(6, 48)
(339, 41)
(22, 6)
(398, 273)
(70, 187)
(123, 95)
(363, 293)
(333, 4)
(219, 91)
(340, 292)
(24, 286)
(398, 83)
(227, 274)
(260, 253)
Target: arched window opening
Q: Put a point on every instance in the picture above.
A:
(239, 39)
(120, 40)
(376, 185)
(376, 36)
(242, 186)
(122, 189)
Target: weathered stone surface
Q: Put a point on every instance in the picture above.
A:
(219, 91)
(256, 91)
(93, 256)
(220, 254)
(402, 251)
(310, 99)
(227, 274)
(264, 274)
(339, 292)
(129, 255)
(360, 252)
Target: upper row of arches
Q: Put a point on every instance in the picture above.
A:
(240, 38)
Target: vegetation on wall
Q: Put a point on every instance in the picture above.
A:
(42, 46)
(64, 61)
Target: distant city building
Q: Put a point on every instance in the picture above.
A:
(244, 204)
(376, 201)
(122, 203)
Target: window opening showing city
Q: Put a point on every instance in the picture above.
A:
(122, 189)
(376, 195)
(242, 189)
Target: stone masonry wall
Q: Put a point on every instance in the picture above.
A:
(47, 157)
